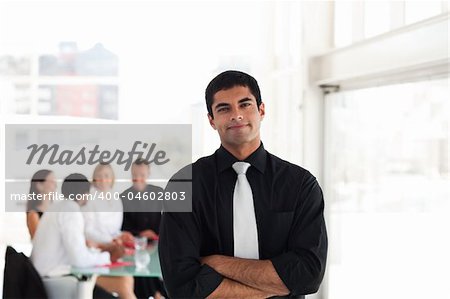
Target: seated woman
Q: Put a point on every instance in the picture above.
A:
(103, 217)
(103, 223)
(42, 183)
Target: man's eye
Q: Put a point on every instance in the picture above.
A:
(222, 109)
(245, 104)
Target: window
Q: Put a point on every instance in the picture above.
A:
(416, 11)
(69, 82)
(343, 12)
(377, 17)
(387, 188)
(358, 20)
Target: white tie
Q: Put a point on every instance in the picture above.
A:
(244, 221)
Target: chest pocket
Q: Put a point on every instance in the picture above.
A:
(283, 197)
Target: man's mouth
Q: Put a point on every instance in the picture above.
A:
(234, 127)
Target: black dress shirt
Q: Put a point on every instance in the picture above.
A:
(289, 208)
(136, 222)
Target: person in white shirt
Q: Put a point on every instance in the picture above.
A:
(103, 216)
(59, 241)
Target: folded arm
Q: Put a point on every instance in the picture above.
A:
(233, 289)
(257, 274)
(184, 275)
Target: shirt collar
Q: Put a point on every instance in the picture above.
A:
(257, 159)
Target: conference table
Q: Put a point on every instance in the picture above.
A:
(126, 266)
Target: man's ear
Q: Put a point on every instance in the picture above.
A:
(211, 121)
(262, 110)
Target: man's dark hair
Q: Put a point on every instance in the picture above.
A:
(230, 79)
(141, 161)
(74, 185)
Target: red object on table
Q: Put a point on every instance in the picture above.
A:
(116, 264)
(129, 251)
(128, 244)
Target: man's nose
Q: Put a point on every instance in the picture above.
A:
(236, 114)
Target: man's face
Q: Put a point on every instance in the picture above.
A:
(139, 174)
(236, 116)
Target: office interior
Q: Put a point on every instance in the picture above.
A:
(357, 92)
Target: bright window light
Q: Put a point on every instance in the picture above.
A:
(343, 33)
(416, 11)
(388, 153)
(377, 17)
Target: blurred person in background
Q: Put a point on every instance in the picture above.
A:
(42, 182)
(142, 224)
(103, 216)
(59, 242)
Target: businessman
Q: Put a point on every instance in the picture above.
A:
(141, 223)
(257, 228)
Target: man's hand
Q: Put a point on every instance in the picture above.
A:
(115, 250)
(149, 234)
(126, 237)
(118, 241)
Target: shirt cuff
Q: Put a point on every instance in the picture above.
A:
(283, 264)
(104, 258)
(209, 280)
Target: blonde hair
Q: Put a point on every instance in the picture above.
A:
(100, 167)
